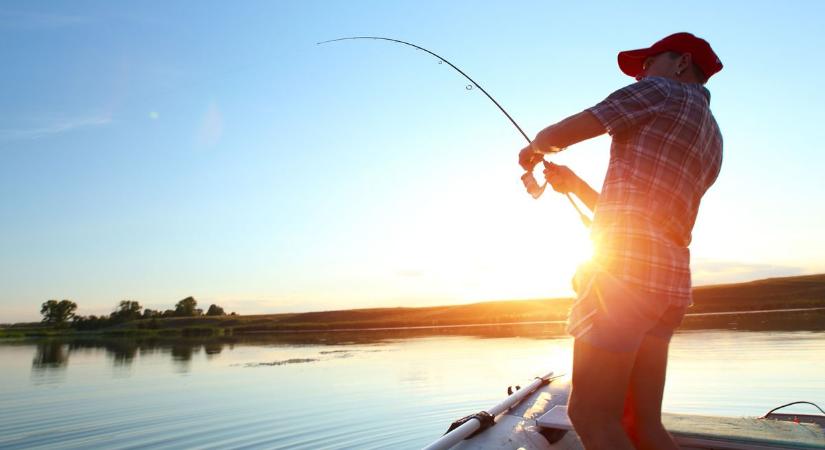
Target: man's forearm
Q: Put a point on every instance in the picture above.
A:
(586, 194)
(574, 129)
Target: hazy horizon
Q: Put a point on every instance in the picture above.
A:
(204, 305)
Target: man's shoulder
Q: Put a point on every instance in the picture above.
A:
(661, 83)
(648, 91)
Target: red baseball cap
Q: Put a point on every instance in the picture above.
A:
(703, 56)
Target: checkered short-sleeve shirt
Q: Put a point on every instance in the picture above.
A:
(666, 153)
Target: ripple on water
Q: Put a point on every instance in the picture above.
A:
(339, 396)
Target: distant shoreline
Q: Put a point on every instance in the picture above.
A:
(537, 322)
(788, 301)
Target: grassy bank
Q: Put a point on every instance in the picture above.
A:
(769, 294)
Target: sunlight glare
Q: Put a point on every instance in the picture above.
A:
(491, 245)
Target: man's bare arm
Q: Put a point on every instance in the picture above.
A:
(574, 129)
(588, 195)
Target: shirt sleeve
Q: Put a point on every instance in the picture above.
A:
(631, 106)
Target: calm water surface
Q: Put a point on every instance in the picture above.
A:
(353, 390)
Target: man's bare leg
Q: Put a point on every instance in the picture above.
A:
(647, 385)
(600, 382)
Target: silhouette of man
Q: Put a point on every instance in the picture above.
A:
(666, 152)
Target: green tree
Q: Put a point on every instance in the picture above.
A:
(58, 312)
(127, 310)
(91, 322)
(215, 310)
(186, 307)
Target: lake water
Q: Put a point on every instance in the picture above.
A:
(388, 390)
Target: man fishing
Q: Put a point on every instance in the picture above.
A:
(665, 153)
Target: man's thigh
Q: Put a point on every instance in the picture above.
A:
(647, 381)
(600, 380)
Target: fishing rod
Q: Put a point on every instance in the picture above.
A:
(528, 179)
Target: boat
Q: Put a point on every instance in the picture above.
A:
(535, 418)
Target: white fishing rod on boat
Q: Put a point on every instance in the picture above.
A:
(486, 418)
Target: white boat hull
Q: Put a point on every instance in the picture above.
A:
(525, 427)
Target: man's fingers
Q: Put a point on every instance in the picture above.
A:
(529, 164)
(528, 159)
(560, 178)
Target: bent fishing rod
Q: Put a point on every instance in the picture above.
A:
(528, 179)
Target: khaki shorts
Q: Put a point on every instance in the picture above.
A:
(612, 315)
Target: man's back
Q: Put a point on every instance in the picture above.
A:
(666, 153)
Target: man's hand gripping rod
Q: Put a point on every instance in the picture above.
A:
(535, 190)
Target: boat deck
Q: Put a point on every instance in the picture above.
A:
(540, 422)
(702, 432)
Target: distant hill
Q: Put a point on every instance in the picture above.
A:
(773, 293)
(769, 294)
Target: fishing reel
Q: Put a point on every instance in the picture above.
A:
(532, 185)
(535, 191)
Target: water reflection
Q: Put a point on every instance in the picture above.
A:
(50, 356)
(791, 320)
(212, 349)
(183, 353)
(122, 353)
(282, 362)
(53, 354)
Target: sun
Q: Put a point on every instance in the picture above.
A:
(491, 245)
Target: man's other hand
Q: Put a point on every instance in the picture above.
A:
(561, 178)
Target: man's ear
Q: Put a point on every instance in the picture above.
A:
(685, 62)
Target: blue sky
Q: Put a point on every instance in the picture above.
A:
(153, 151)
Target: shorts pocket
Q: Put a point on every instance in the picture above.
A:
(611, 303)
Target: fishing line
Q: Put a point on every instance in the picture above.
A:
(441, 59)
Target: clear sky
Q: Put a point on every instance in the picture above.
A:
(156, 150)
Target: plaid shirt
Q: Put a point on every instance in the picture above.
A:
(666, 152)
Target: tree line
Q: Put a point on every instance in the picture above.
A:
(62, 313)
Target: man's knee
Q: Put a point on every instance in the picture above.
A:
(587, 413)
(647, 418)
(654, 436)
